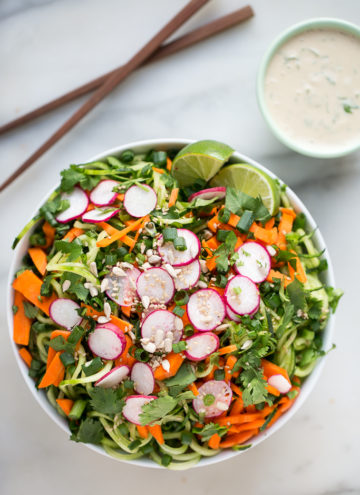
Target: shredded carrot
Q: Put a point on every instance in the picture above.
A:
(22, 323)
(237, 419)
(38, 257)
(193, 389)
(267, 236)
(213, 223)
(30, 285)
(168, 164)
(173, 196)
(234, 220)
(126, 310)
(299, 273)
(271, 369)
(112, 230)
(274, 274)
(26, 356)
(73, 234)
(49, 232)
(214, 441)
(257, 423)
(175, 360)
(285, 226)
(272, 390)
(138, 232)
(270, 224)
(54, 373)
(158, 170)
(125, 357)
(228, 349)
(156, 432)
(143, 431)
(230, 363)
(236, 389)
(66, 405)
(237, 406)
(120, 197)
(237, 438)
(125, 326)
(119, 235)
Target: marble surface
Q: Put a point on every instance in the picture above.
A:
(48, 46)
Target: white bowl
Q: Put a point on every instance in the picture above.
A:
(40, 396)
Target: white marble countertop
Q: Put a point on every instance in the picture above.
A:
(48, 46)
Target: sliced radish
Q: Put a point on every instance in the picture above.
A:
(181, 258)
(103, 194)
(78, 204)
(205, 309)
(253, 262)
(99, 215)
(189, 276)
(213, 192)
(122, 288)
(143, 378)
(64, 313)
(163, 320)
(242, 295)
(106, 342)
(114, 377)
(280, 383)
(222, 394)
(157, 284)
(140, 201)
(133, 407)
(201, 345)
(233, 316)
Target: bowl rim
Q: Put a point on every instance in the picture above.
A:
(308, 386)
(290, 32)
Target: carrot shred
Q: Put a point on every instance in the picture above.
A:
(158, 170)
(22, 323)
(112, 230)
(193, 389)
(175, 360)
(54, 374)
(38, 257)
(238, 406)
(156, 432)
(120, 197)
(26, 356)
(119, 235)
(49, 232)
(257, 423)
(299, 273)
(227, 349)
(274, 274)
(30, 285)
(270, 224)
(236, 389)
(230, 363)
(125, 326)
(213, 223)
(214, 441)
(66, 405)
(143, 431)
(173, 196)
(271, 369)
(168, 164)
(126, 310)
(237, 438)
(285, 226)
(234, 220)
(125, 357)
(267, 236)
(73, 234)
(236, 419)
(138, 232)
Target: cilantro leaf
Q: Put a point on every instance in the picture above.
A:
(30, 310)
(209, 430)
(90, 431)
(184, 377)
(76, 175)
(46, 288)
(334, 296)
(296, 293)
(74, 249)
(76, 285)
(238, 202)
(157, 409)
(107, 400)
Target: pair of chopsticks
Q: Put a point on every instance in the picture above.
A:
(153, 50)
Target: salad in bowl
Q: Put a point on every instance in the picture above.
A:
(171, 304)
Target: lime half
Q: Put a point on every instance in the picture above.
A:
(251, 181)
(200, 160)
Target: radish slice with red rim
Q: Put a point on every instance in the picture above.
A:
(242, 295)
(106, 342)
(114, 377)
(213, 192)
(180, 258)
(253, 261)
(64, 312)
(143, 378)
(201, 345)
(78, 203)
(233, 316)
(160, 325)
(188, 276)
(205, 309)
(103, 194)
(217, 394)
(133, 407)
(99, 215)
(140, 201)
(280, 383)
(122, 288)
(157, 284)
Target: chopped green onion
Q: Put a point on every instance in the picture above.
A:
(166, 459)
(180, 244)
(93, 366)
(186, 437)
(209, 399)
(189, 330)
(67, 359)
(181, 298)
(77, 409)
(169, 234)
(246, 220)
(179, 346)
(224, 215)
(141, 355)
(159, 157)
(219, 375)
(127, 156)
(221, 235)
(178, 311)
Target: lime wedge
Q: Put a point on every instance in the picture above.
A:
(200, 160)
(251, 181)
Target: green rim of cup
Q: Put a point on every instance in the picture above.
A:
(317, 23)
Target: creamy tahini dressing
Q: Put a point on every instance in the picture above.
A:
(312, 89)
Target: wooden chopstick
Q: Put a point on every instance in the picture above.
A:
(110, 83)
(189, 39)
